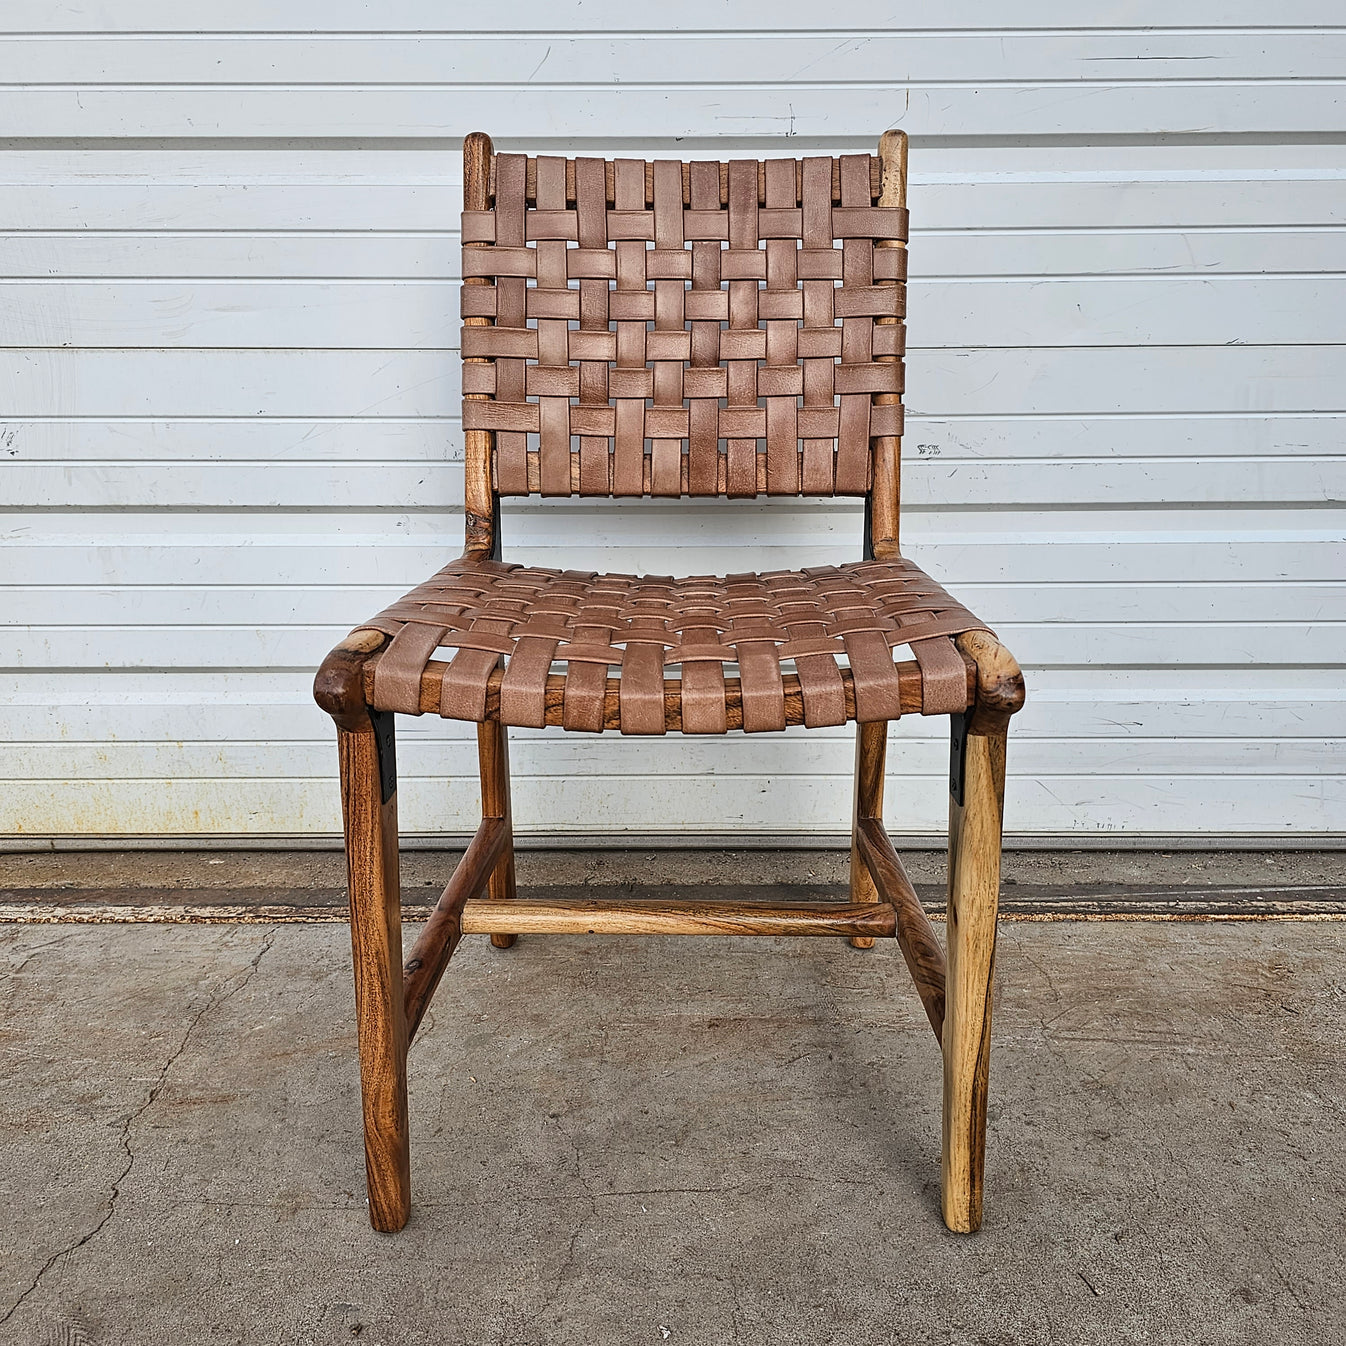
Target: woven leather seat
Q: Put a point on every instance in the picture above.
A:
(667, 329)
(830, 630)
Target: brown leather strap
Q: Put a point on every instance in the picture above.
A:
(667, 329)
(811, 623)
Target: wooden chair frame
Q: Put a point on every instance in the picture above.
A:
(392, 994)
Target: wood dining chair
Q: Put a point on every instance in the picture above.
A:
(670, 329)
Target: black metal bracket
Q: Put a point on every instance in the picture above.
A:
(957, 756)
(495, 527)
(867, 551)
(385, 745)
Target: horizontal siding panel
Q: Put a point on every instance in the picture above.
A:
(929, 481)
(1107, 705)
(1141, 311)
(1091, 804)
(366, 314)
(418, 315)
(563, 756)
(977, 249)
(135, 201)
(401, 383)
(393, 206)
(148, 254)
(207, 441)
(983, 248)
(1112, 381)
(1273, 106)
(1137, 196)
(249, 383)
(604, 16)
(1026, 547)
(523, 61)
(1026, 437)
(1116, 706)
(417, 192)
(162, 448)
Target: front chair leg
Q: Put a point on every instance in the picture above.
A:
(974, 890)
(369, 806)
(871, 747)
(493, 759)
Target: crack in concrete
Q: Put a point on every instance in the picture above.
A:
(290, 1207)
(215, 1000)
(575, 1149)
(673, 1191)
(567, 1266)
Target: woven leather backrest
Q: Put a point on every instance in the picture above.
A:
(684, 329)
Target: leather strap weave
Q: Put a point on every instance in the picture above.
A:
(645, 627)
(673, 319)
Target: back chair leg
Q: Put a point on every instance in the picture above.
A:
(493, 757)
(974, 891)
(369, 806)
(871, 747)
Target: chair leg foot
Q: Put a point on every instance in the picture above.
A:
(974, 889)
(871, 747)
(376, 944)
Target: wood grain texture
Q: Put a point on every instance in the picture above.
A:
(871, 749)
(594, 916)
(1000, 682)
(478, 495)
(970, 924)
(338, 687)
(915, 935)
(886, 450)
(493, 763)
(443, 931)
(376, 946)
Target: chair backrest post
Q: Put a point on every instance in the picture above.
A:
(886, 491)
(478, 445)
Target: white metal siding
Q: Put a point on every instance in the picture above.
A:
(229, 388)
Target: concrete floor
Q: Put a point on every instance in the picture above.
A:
(695, 1141)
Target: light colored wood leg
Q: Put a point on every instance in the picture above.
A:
(974, 891)
(871, 747)
(376, 943)
(493, 757)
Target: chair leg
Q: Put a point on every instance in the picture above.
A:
(871, 747)
(493, 757)
(974, 891)
(376, 943)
